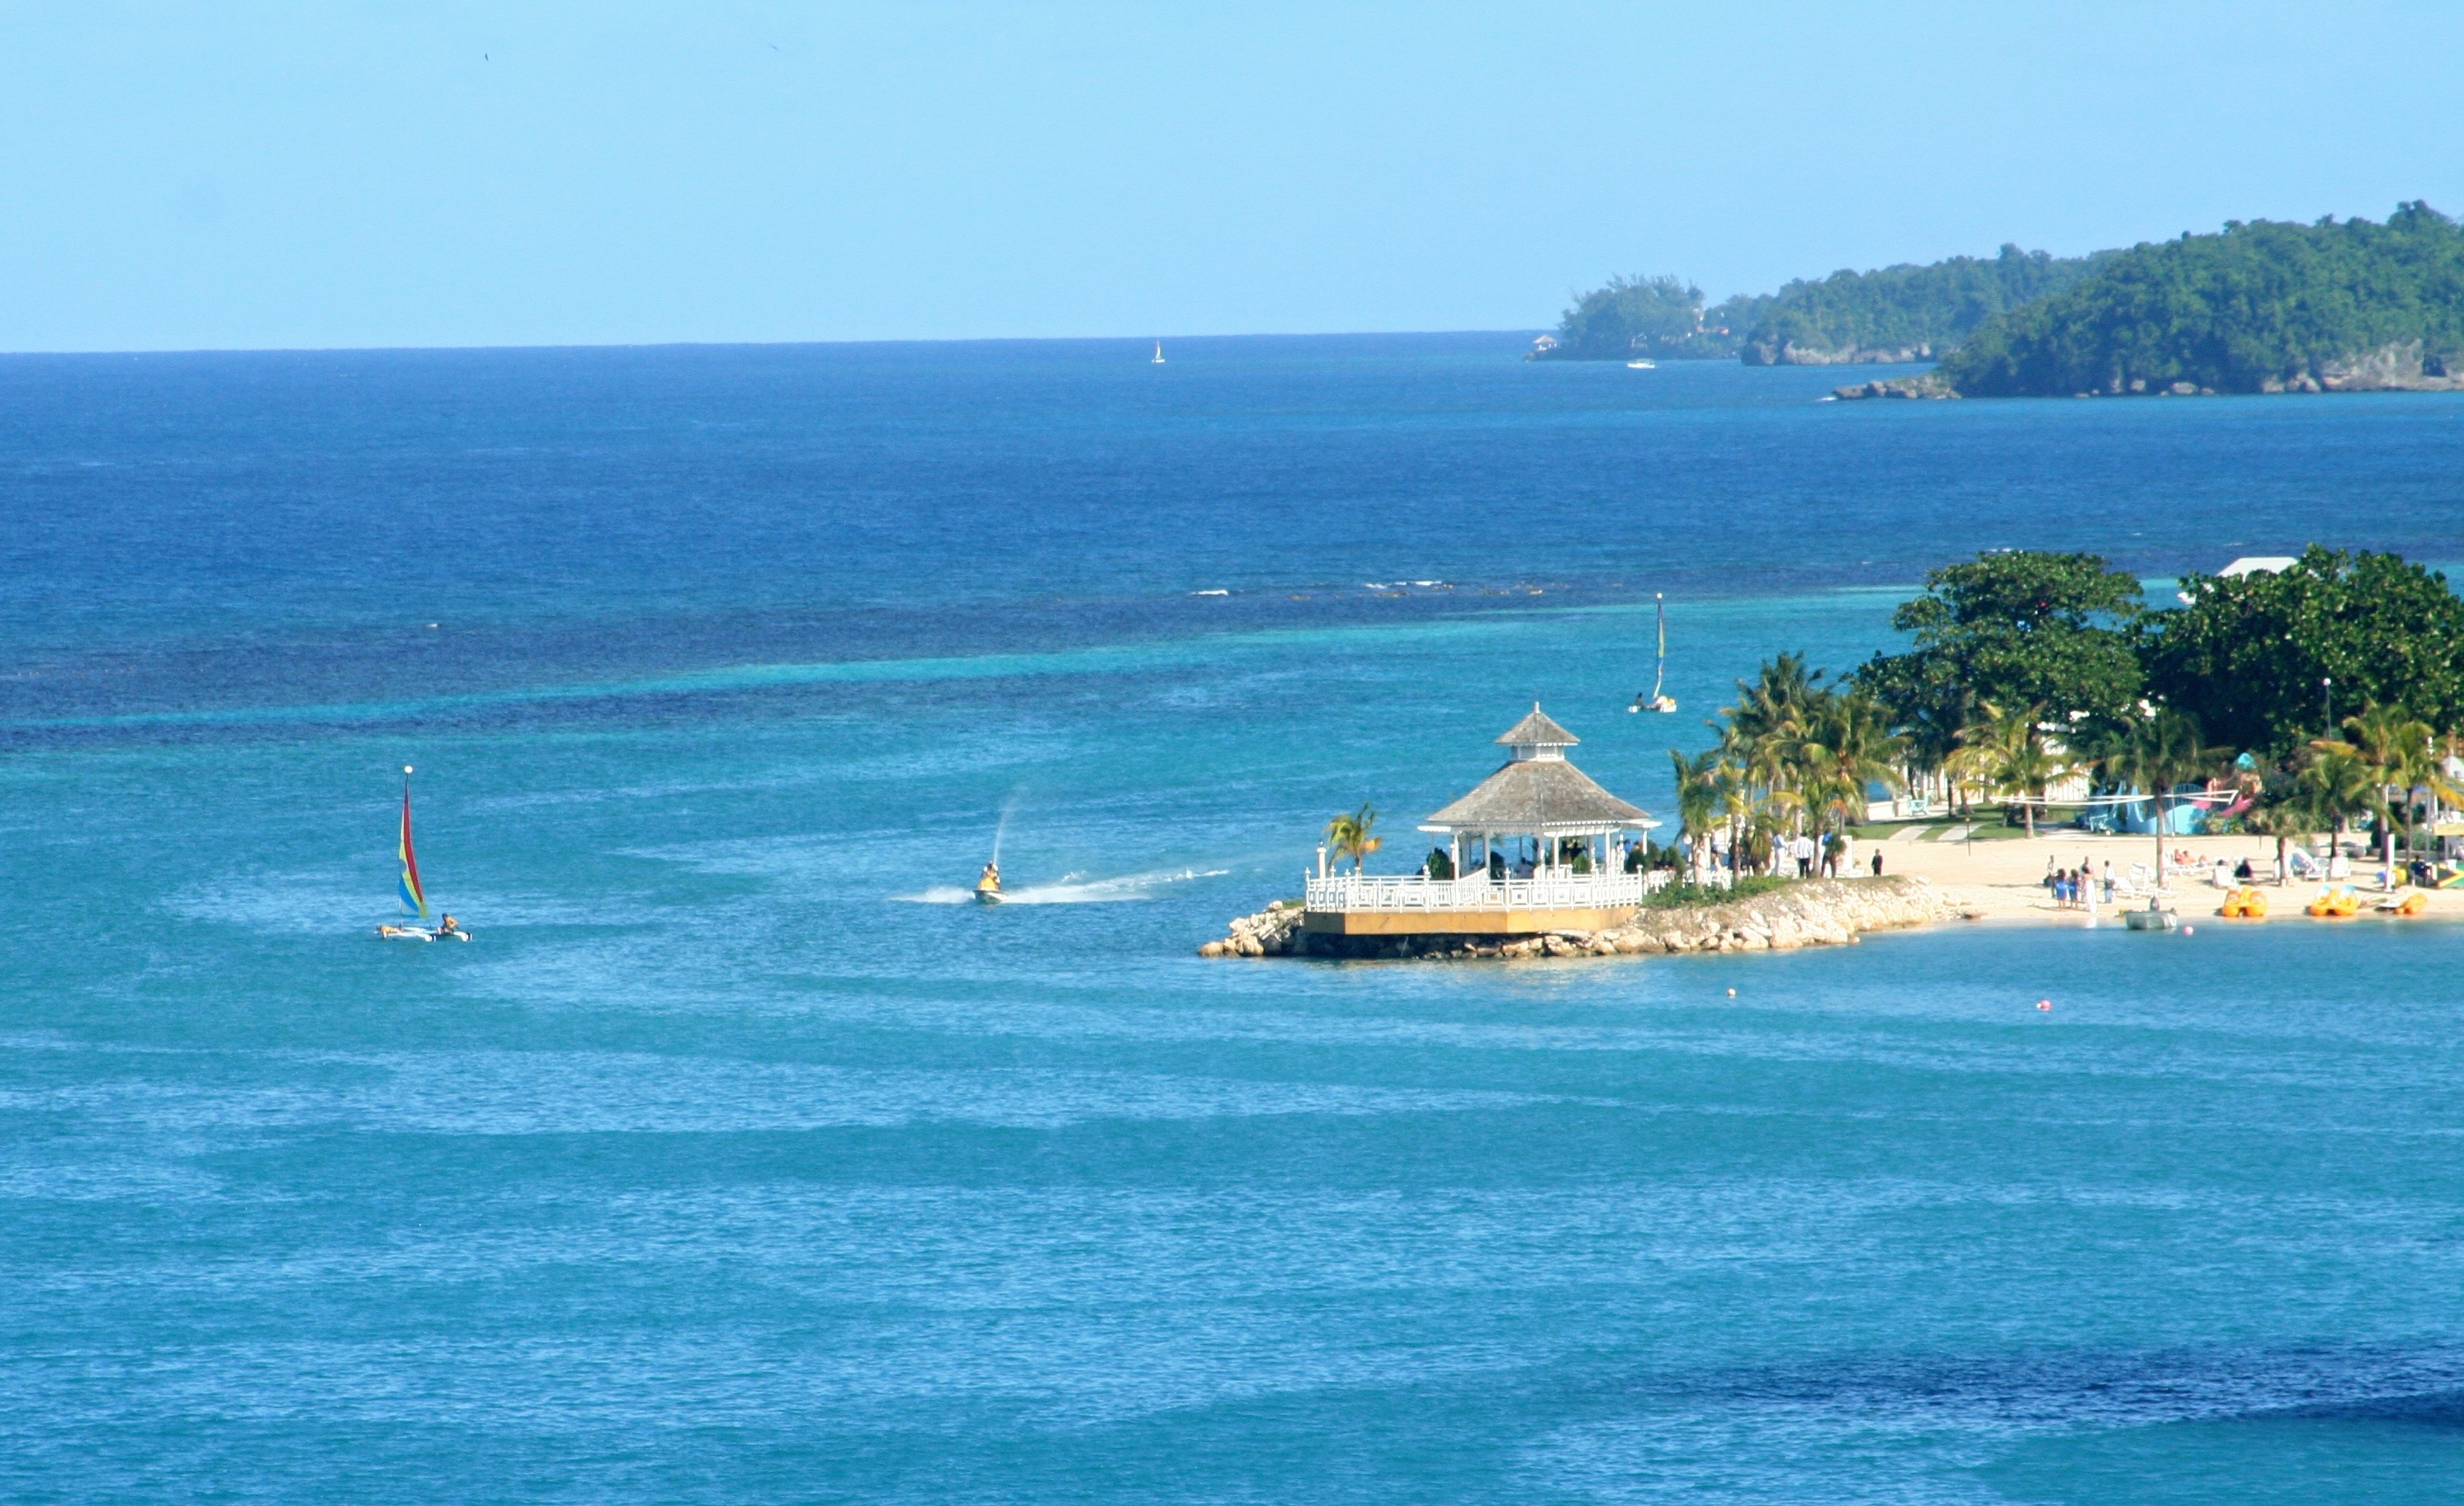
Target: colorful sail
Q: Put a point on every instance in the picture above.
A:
(414, 899)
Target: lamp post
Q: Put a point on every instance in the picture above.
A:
(2327, 707)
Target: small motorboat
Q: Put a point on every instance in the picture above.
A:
(2153, 918)
(988, 885)
(1642, 365)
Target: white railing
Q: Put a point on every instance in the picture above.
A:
(1562, 891)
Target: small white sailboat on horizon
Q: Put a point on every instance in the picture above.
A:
(1158, 355)
(1658, 701)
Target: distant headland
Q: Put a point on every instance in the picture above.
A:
(2335, 306)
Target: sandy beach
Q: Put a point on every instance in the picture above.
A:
(2004, 878)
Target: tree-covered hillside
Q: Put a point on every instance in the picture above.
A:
(2260, 307)
(1904, 312)
(1898, 313)
(1653, 316)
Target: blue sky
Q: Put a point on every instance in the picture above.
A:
(178, 177)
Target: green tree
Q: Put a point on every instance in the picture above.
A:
(2283, 809)
(1763, 732)
(2252, 656)
(1632, 316)
(2018, 628)
(2400, 751)
(1845, 745)
(2154, 752)
(2006, 752)
(1350, 835)
(2257, 307)
(2338, 785)
(1904, 307)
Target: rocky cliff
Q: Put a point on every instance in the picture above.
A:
(1788, 353)
(2400, 366)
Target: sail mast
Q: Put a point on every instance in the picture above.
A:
(1659, 671)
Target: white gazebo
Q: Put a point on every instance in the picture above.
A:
(1537, 846)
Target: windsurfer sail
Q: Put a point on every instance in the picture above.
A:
(414, 899)
(1657, 701)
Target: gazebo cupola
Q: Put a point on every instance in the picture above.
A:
(1536, 739)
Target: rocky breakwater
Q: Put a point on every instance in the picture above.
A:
(1826, 912)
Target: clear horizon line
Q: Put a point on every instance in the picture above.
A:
(742, 344)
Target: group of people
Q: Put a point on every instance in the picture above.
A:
(1828, 857)
(2081, 887)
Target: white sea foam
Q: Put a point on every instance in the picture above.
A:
(1070, 890)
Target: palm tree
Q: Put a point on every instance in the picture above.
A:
(1348, 835)
(1844, 746)
(2154, 754)
(1698, 782)
(2006, 751)
(2400, 751)
(1698, 793)
(1763, 732)
(2282, 811)
(2340, 785)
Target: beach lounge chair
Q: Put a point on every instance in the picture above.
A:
(2406, 901)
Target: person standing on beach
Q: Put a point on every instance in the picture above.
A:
(1877, 863)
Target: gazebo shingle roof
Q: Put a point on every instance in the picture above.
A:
(1538, 730)
(1535, 795)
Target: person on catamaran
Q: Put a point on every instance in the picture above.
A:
(446, 926)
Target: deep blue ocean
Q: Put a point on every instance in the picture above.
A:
(735, 1161)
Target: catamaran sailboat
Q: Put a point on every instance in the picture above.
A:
(413, 897)
(1657, 701)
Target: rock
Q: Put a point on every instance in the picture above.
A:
(1819, 912)
(1928, 385)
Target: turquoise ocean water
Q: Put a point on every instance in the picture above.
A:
(736, 1162)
